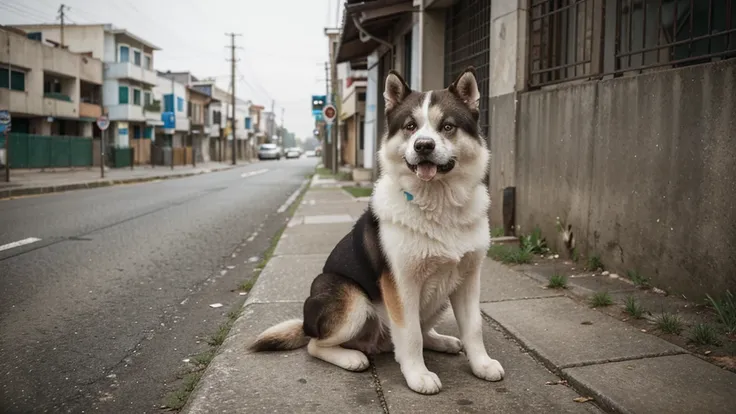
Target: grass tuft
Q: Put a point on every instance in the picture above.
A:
(176, 400)
(633, 308)
(594, 263)
(704, 334)
(670, 324)
(726, 310)
(601, 299)
(497, 232)
(557, 282)
(638, 279)
(359, 191)
(509, 254)
(247, 285)
(534, 243)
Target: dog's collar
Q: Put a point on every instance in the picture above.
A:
(409, 196)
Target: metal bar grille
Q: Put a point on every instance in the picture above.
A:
(674, 32)
(467, 42)
(561, 40)
(566, 36)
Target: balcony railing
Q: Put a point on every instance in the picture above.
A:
(154, 106)
(58, 96)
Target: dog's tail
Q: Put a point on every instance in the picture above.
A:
(282, 337)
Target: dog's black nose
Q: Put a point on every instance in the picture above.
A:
(424, 146)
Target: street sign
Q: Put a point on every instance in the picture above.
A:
(4, 121)
(169, 120)
(103, 122)
(329, 112)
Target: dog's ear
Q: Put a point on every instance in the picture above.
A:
(396, 90)
(466, 88)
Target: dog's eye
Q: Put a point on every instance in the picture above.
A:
(448, 127)
(411, 126)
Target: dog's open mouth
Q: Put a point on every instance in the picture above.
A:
(426, 170)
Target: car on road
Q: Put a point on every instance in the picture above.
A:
(310, 153)
(269, 152)
(293, 152)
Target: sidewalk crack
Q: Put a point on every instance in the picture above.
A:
(377, 386)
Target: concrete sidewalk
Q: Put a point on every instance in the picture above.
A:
(544, 339)
(28, 182)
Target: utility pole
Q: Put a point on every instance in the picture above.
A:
(232, 97)
(281, 132)
(327, 153)
(336, 122)
(61, 16)
(7, 132)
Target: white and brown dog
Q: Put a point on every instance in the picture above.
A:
(417, 248)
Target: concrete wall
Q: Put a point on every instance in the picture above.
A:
(642, 168)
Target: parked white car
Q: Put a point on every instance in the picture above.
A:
(293, 152)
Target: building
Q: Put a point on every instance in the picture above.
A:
(129, 77)
(214, 126)
(614, 122)
(174, 96)
(352, 94)
(50, 92)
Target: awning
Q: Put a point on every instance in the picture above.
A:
(377, 17)
(154, 122)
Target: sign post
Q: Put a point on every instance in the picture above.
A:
(5, 124)
(103, 122)
(329, 113)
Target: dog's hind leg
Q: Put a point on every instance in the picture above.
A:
(335, 313)
(435, 341)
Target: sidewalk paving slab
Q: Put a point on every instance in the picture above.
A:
(567, 334)
(499, 283)
(311, 238)
(277, 382)
(668, 384)
(287, 278)
(523, 389)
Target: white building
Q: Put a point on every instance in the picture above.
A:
(177, 103)
(128, 74)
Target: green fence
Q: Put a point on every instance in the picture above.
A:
(40, 151)
(122, 157)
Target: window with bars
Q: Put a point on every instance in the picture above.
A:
(582, 39)
(467, 42)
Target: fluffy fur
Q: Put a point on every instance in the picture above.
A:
(417, 249)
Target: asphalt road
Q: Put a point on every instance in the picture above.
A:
(101, 312)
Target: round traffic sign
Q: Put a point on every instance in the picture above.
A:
(329, 112)
(103, 122)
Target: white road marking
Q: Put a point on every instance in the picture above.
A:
(19, 243)
(291, 198)
(252, 173)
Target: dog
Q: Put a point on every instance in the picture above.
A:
(416, 250)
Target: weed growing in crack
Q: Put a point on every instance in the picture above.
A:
(670, 323)
(594, 263)
(557, 282)
(638, 279)
(704, 334)
(633, 308)
(600, 299)
(509, 254)
(726, 310)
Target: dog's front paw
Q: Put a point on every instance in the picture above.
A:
(424, 382)
(487, 369)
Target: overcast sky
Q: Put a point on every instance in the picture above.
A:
(283, 43)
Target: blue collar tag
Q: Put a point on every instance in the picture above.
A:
(408, 196)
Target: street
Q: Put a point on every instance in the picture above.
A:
(105, 292)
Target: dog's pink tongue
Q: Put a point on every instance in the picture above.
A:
(426, 171)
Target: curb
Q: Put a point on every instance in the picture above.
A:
(18, 192)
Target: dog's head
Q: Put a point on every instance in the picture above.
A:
(433, 136)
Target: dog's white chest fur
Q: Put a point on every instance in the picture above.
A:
(427, 239)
